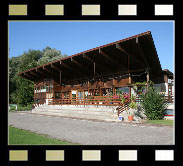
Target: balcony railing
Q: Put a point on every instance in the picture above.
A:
(97, 100)
(91, 100)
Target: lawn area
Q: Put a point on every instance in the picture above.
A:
(161, 122)
(24, 137)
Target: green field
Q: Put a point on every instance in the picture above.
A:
(24, 137)
(161, 122)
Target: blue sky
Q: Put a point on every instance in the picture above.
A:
(74, 37)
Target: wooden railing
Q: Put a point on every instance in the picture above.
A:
(37, 104)
(122, 107)
(96, 100)
(91, 100)
(169, 99)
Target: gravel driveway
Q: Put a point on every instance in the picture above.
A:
(93, 133)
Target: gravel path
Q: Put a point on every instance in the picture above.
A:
(93, 133)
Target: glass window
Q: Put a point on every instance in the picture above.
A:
(122, 90)
(57, 95)
(80, 94)
(86, 93)
(38, 89)
(66, 94)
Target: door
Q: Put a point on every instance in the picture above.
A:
(80, 96)
(170, 93)
(74, 95)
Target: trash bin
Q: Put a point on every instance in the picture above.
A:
(120, 118)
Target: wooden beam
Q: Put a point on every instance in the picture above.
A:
(30, 76)
(55, 68)
(27, 77)
(68, 67)
(66, 72)
(122, 49)
(108, 57)
(81, 65)
(137, 39)
(125, 52)
(38, 71)
(60, 77)
(34, 74)
(48, 71)
(94, 69)
(142, 54)
(88, 58)
(97, 64)
(139, 61)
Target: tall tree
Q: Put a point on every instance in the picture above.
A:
(50, 55)
(21, 90)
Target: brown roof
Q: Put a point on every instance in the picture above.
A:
(168, 72)
(130, 54)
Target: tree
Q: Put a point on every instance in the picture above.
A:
(154, 104)
(21, 90)
(50, 55)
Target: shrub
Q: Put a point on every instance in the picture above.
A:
(133, 105)
(24, 108)
(154, 104)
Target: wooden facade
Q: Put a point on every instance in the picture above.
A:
(101, 71)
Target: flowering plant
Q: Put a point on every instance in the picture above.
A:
(125, 98)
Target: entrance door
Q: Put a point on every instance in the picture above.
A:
(74, 95)
(169, 93)
(80, 96)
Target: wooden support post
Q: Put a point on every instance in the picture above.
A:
(60, 77)
(147, 70)
(137, 40)
(94, 69)
(129, 77)
(113, 84)
(88, 87)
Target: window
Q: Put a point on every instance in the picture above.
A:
(122, 90)
(80, 94)
(47, 88)
(66, 94)
(57, 95)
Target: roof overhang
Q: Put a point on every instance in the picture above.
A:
(133, 54)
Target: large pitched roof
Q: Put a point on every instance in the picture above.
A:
(135, 53)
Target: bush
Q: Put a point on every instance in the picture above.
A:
(154, 104)
(24, 108)
(133, 105)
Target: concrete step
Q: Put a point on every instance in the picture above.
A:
(76, 111)
(99, 114)
(78, 107)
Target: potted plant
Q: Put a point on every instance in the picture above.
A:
(132, 106)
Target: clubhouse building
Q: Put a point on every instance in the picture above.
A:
(97, 76)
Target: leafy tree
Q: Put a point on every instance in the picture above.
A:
(21, 90)
(154, 104)
(24, 92)
(50, 55)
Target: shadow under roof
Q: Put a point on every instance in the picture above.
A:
(133, 54)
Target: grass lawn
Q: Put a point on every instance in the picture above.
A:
(24, 137)
(161, 122)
